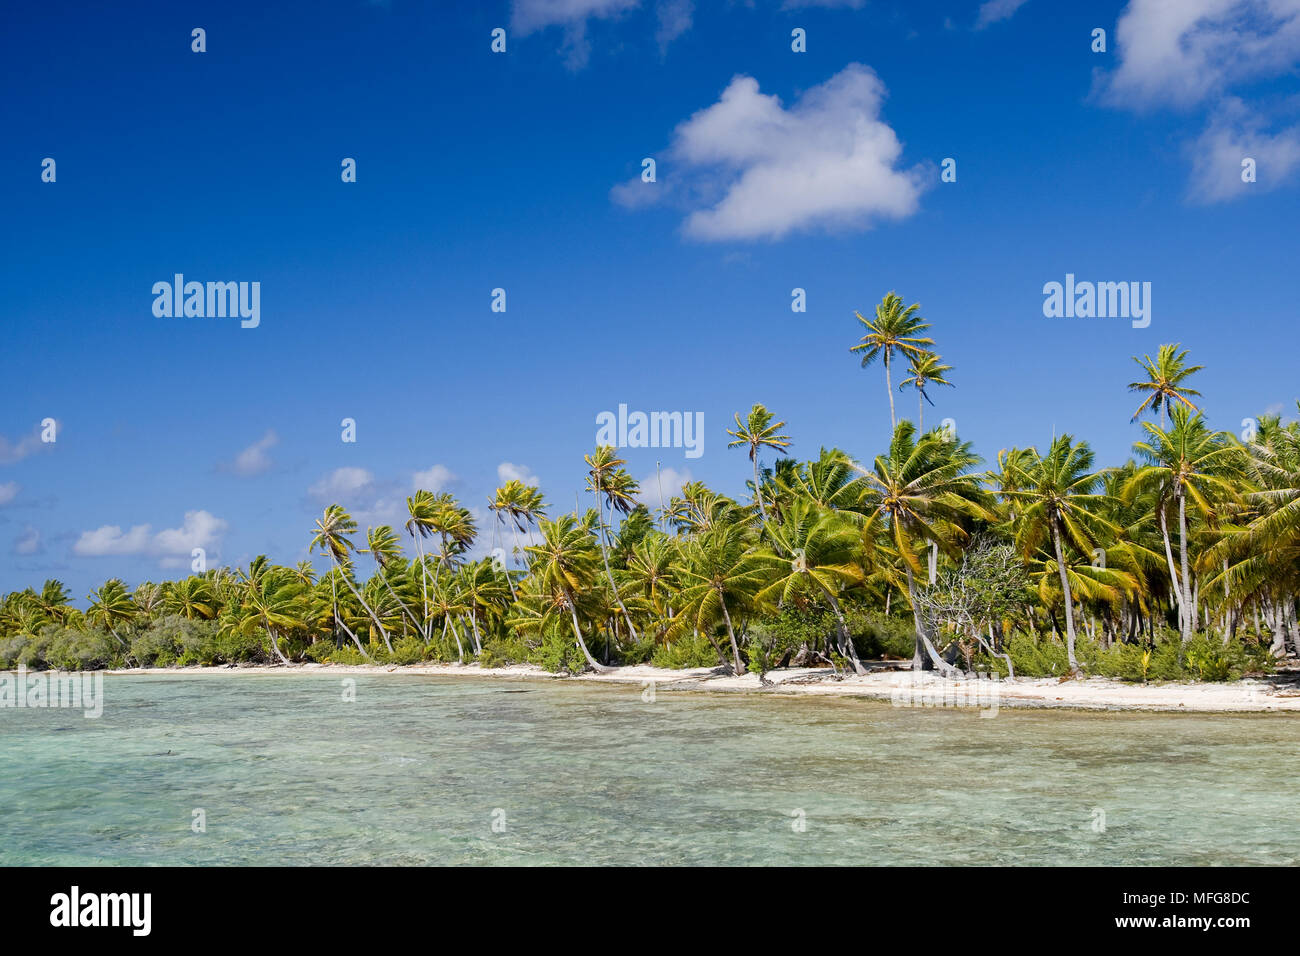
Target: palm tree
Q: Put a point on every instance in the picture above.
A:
(894, 329)
(610, 483)
(565, 565)
(755, 433)
(331, 537)
(927, 368)
(381, 544)
(111, 607)
(822, 545)
(1164, 383)
(1058, 499)
(719, 567)
(190, 598)
(923, 491)
(272, 598)
(421, 507)
(1187, 462)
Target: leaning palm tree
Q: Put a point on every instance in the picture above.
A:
(894, 329)
(612, 485)
(1164, 382)
(565, 565)
(757, 432)
(331, 537)
(923, 492)
(382, 545)
(927, 369)
(1058, 498)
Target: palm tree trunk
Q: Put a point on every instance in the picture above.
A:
(758, 495)
(1173, 573)
(889, 387)
(357, 594)
(604, 554)
(577, 634)
(275, 645)
(922, 635)
(338, 619)
(735, 649)
(846, 640)
(1069, 600)
(1189, 608)
(424, 583)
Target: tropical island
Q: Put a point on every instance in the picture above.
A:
(1179, 565)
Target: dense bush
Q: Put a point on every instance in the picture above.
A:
(1204, 658)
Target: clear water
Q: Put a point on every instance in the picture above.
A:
(418, 769)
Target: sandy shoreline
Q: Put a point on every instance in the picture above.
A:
(1276, 694)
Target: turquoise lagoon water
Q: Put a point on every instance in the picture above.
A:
(419, 769)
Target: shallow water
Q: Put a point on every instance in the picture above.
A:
(418, 769)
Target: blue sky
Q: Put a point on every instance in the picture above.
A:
(476, 170)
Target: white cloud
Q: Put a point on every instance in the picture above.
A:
(340, 483)
(1179, 53)
(995, 11)
(8, 492)
(254, 459)
(1233, 134)
(748, 168)
(200, 529)
(507, 471)
(433, 479)
(29, 542)
(13, 452)
(669, 479)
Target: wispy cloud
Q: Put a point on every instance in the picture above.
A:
(29, 542)
(531, 16)
(254, 460)
(747, 167)
(8, 492)
(12, 452)
(508, 471)
(434, 479)
(1235, 133)
(995, 11)
(340, 483)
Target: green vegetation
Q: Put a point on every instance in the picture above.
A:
(1182, 564)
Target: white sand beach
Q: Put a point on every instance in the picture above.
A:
(1280, 692)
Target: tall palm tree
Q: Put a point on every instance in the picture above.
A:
(382, 545)
(894, 329)
(421, 508)
(1188, 462)
(923, 492)
(331, 538)
(1058, 498)
(927, 368)
(757, 432)
(611, 484)
(565, 565)
(1164, 386)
